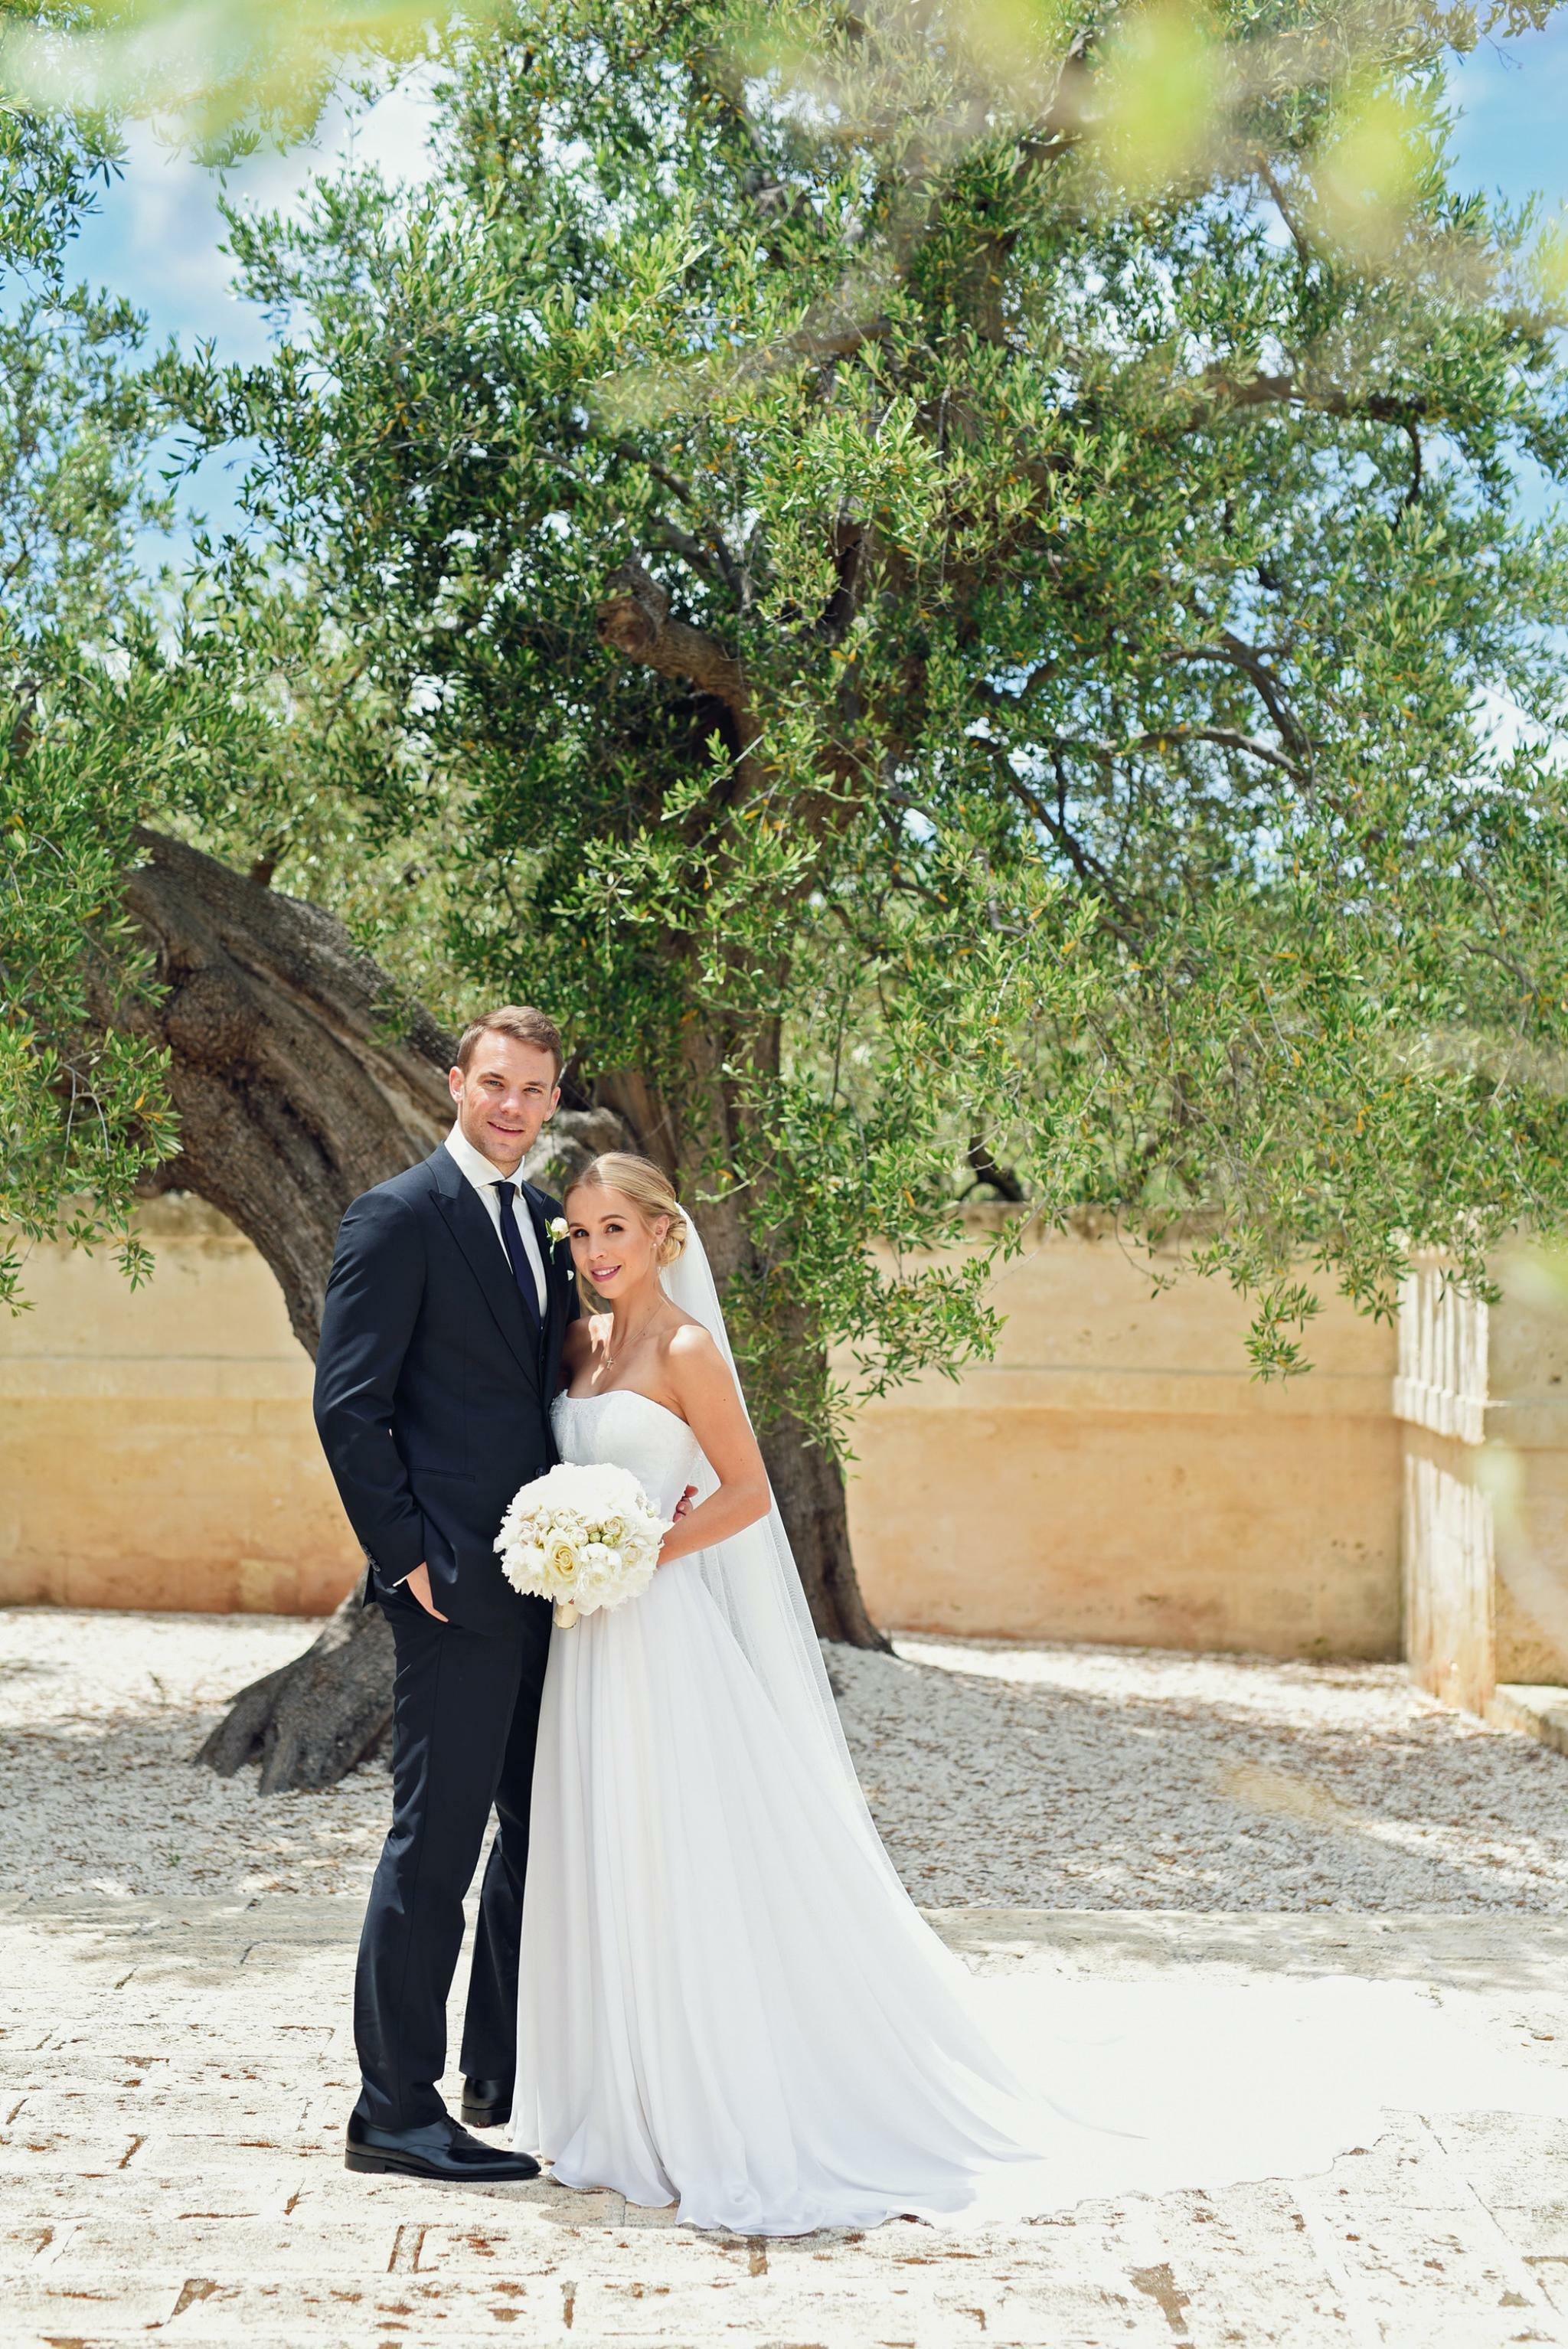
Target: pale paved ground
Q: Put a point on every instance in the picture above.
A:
(176, 2062)
(177, 2075)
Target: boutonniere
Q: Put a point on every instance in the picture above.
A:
(558, 1227)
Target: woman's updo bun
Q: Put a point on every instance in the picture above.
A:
(647, 1187)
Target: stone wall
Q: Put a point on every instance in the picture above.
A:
(1115, 1474)
(156, 1446)
(1524, 1467)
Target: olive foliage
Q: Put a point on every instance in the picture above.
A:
(85, 732)
(948, 586)
(968, 637)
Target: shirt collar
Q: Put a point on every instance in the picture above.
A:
(479, 1169)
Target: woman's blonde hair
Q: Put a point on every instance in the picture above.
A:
(647, 1187)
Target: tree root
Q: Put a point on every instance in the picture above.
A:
(311, 1721)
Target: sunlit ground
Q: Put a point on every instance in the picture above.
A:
(1008, 1776)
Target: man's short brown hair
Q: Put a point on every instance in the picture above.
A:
(518, 1021)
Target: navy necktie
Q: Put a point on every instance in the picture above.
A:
(523, 1271)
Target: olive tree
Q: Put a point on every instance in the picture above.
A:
(954, 659)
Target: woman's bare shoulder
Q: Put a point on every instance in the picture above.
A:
(692, 1354)
(684, 1334)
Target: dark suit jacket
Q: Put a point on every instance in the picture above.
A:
(432, 1400)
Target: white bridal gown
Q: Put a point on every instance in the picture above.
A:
(728, 2001)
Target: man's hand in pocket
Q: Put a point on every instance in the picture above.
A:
(419, 1582)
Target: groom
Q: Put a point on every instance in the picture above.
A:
(440, 1347)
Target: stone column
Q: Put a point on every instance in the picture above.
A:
(1481, 1394)
(1446, 1533)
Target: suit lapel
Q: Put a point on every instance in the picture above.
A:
(477, 1236)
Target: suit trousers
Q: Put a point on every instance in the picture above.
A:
(465, 1720)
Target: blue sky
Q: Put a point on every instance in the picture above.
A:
(159, 237)
(1513, 101)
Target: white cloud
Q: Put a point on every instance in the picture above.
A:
(160, 238)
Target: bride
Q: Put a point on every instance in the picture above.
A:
(727, 2000)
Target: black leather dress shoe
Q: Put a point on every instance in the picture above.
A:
(487, 2104)
(441, 2149)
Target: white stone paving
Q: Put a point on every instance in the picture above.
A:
(175, 2061)
(175, 2076)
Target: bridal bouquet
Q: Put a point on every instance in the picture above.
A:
(584, 1535)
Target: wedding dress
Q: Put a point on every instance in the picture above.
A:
(727, 2000)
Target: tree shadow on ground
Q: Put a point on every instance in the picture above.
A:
(1034, 1792)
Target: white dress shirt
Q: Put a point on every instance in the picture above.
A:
(484, 1178)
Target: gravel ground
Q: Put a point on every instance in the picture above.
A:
(1001, 1776)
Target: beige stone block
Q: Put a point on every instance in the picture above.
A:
(107, 2308)
(1517, 2157)
(142, 2194)
(70, 2107)
(1230, 1531)
(1450, 1569)
(1526, 1467)
(354, 2311)
(197, 2241)
(1538, 2231)
(1079, 1299)
(157, 1446)
(1116, 1474)
(1529, 1488)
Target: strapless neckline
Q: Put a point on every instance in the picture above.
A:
(607, 1394)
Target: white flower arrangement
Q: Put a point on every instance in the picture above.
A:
(558, 1228)
(583, 1535)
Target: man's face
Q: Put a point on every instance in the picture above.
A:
(508, 1092)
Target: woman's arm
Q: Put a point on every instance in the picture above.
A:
(704, 1384)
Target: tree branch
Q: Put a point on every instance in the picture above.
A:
(635, 621)
(1297, 234)
(1228, 738)
(1413, 494)
(1236, 653)
(1262, 390)
(711, 551)
(988, 1174)
(1085, 864)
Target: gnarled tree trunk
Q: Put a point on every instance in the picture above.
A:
(808, 1482)
(299, 1077)
(301, 1080)
(635, 620)
(809, 1486)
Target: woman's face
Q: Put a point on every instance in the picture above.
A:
(612, 1246)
